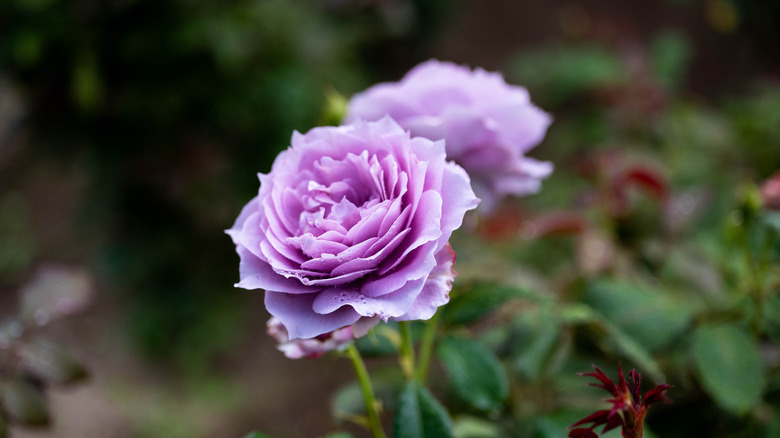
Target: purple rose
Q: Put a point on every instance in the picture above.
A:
(487, 124)
(353, 222)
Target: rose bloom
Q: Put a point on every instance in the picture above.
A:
(770, 192)
(353, 223)
(488, 125)
(314, 347)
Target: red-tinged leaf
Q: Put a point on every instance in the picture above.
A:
(627, 400)
(597, 418)
(615, 421)
(558, 224)
(649, 179)
(618, 404)
(503, 225)
(623, 383)
(583, 432)
(657, 395)
(637, 385)
(607, 383)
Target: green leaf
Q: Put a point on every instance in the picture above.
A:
(537, 335)
(476, 374)
(383, 340)
(624, 341)
(773, 430)
(87, 85)
(257, 435)
(419, 415)
(24, 402)
(771, 219)
(635, 350)
(771, 313)
(348, 400)
(339, 435)
(55, 292)
(466, 426)
(729, 364)
(577, 313)
(670, 55)
(18, 248)
(51, 362)
(481, 298)
(562, 73)
(653, 317)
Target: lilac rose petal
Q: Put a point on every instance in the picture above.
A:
(351, 226)
(487, 124)
(436, 291)
(315, 347)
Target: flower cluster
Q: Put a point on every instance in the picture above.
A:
(351, 225)
(628, 406)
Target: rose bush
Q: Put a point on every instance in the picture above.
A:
(353, 223)
(488, 125)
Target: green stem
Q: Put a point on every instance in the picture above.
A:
(407, 350)
(368, 392)
(426, 347)
(755, 287)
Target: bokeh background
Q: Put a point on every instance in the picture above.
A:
(131, 132)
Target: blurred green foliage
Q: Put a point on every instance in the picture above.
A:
(648, 247)
(684, 285)
(19, 247)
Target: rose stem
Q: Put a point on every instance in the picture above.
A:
(756, 285)
(368, 391)
(426, 347)
(407, 350)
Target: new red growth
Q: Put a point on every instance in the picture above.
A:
(629, 407)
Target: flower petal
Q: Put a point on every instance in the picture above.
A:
(436, 291)
(295, 312)
(390, 305)
(257, 274)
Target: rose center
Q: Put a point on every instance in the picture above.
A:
(339, 190)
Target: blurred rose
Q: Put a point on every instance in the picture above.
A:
(315, 347)
(353, 222)
(487, 124)
(770, 192)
